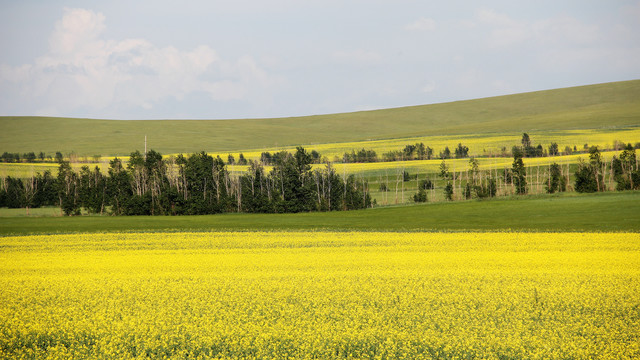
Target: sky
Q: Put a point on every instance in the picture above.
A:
(199, 59)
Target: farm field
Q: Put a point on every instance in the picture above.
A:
(329, 295)
(541, 276)
(480, 145)
(25, 170)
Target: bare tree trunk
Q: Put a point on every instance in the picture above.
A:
(604, 176)
(538, 179)
(549, 177)
(433, 187)
(453, 196)
(239, 192)
(403, 184)
(317, 179)
(30, 190)
(611, 174)
(397, 179)
(386, 193)
(364, 193)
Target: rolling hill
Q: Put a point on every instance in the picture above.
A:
(602, 106)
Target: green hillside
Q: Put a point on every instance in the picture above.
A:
(610, 105)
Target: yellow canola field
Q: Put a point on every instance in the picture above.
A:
(324, 295)
(479, 144)
(25, 170)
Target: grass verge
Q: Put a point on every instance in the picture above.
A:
(571, 212)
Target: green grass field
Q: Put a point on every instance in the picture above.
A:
(569, 212)
(604, 106)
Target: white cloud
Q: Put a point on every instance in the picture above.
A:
(357, 56)
(84, 72)
(493, 18)
(422, 24)
(563, 32)
(504, 31)
(76, 32)
(429, 87)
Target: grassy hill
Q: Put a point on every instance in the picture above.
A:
(603, 106)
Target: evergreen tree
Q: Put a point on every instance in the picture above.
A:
(420, 196)
(556, 182)
(426, 184)
(13, 193)
(519, 173)
(293, 178)
(461, 151)
(118, 187)
(448, 191)
(585, 178)
(444, 171)
(68, 189)
(255, 185)
(588, 176)
(526, 141)
(445, 154)
(92, 190)
(241, 159)
(626, 172)
(47, 191)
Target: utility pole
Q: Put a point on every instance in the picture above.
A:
(145, 147)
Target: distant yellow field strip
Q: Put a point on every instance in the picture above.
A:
(498, 163)
(479, 145)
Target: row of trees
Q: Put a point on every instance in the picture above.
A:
(419, 151)
(29, 157)
(41, 157)
(589, 176)
(201, 184)
(416, 151)
(478, 185)
(197, 184)
(360, 156)
(269, 159)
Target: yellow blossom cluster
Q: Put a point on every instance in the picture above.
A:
(320, 295)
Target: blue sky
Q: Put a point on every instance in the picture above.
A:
(237, 59)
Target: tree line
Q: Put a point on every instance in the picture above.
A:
(201, 184)
(29, 157)
(419, 151)
(41, 157)
(590, 176)
(189, 185)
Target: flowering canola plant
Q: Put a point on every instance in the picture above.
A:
(328, 295)
(479, 144)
